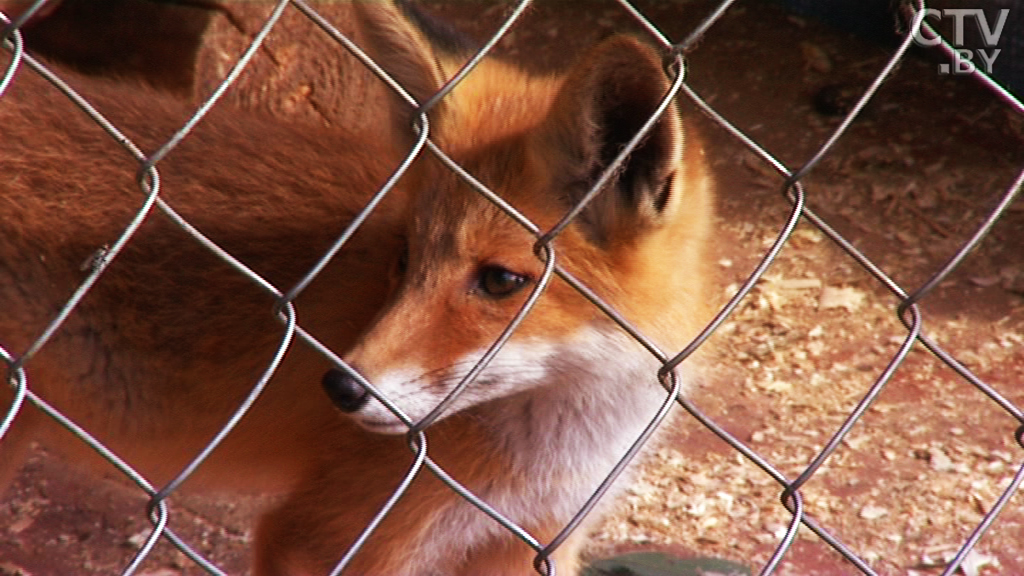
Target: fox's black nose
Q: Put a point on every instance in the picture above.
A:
(346, 393)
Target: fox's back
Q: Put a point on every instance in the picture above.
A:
(172, 333)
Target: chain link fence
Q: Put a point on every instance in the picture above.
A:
(794, 176)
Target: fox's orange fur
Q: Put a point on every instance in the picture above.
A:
(170, 340)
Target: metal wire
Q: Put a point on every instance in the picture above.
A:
(794, 190)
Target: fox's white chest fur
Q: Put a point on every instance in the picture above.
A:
(584, 403)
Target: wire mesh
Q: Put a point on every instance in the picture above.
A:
(795, 191)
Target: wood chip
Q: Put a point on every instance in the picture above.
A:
(851, 299)
(872, 512)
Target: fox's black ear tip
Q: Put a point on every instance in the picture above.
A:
(344, 390)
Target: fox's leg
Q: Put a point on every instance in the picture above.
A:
(509, 556)
(279, 543)
(276, 545)
(294, 540)
(311, 529)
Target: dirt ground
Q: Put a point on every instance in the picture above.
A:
(907, 185)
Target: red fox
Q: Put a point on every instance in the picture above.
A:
(170, 339)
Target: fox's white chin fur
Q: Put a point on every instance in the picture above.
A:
(595, 364)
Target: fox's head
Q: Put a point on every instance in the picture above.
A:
(540, 143)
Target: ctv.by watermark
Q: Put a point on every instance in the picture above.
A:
(964, 58)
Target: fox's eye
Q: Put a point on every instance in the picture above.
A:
(499, 282)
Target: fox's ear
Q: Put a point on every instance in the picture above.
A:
(411, 46)
(605, 100)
